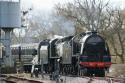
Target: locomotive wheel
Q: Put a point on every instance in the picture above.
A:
(101, 73)
(89, 72)
(83, 72)
(95, 72)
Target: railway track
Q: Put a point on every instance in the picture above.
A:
(105, 80)
(64, 79)
(84, 79)
(15, 79)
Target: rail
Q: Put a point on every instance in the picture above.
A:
(66, 79)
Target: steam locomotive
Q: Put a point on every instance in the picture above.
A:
(86, 53)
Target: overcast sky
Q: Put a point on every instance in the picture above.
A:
(49, 4)
(46, 6)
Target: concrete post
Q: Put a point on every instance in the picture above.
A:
(0, 35)
(0, 45)
(8, 58)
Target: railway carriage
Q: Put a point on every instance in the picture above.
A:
(24, 53)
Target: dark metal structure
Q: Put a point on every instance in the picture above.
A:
(94, 55)
(86, 53)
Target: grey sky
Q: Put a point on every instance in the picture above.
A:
(41, 4)
(49, 4)
(45, 6)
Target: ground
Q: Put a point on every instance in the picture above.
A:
(117, 70)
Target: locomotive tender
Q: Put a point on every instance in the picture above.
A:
(86, 53)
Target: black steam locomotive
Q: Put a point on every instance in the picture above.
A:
(86, 53)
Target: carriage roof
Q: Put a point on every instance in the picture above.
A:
(25, 45)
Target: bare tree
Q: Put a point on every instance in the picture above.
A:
(115, 34)
(87, 14)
